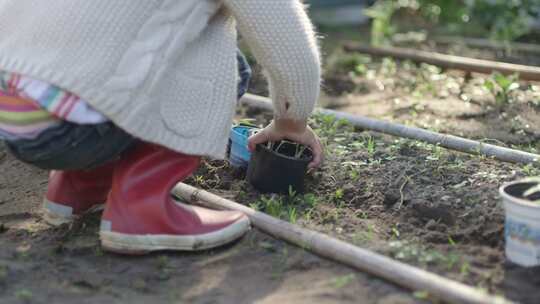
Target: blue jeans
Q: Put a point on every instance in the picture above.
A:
(70, 146)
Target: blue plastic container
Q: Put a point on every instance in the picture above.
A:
(239, 155)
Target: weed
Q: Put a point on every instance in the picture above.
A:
(338, 194)
(363, 215)
(501, 86)
(328, 125)
(24, 295)
(273, 207)
(291, 212)
(364, 236)
(530, 170)
(343, 281)
(395, 232)
(255, 206)
(388, 66)
(370, 146)
(349, 62)
(382, 29)
(292, 193)
(308, 215)
(421, 295)
(199, 180)
(451, 241)
(436, 153)
(407, 251)
(354, 175)
(310, 199)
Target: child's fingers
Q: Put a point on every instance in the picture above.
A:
(258, 138)
(318, 154)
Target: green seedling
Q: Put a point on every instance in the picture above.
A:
(338, 194)
(370, 146)
(349, 63)
(310, 199)
(395, 232)
(273, 207)
(421, 295)
(465, 269)
(451, 241)
(328, 125)
(382, 29)
(436, 153)
(292, 194)
(24, 295)
(299, 149)
(501, 86)
(255, 206)
(388, 66)
(354, 175)
(364, 236)
(292, 214)
(530, 170)
(343, 281)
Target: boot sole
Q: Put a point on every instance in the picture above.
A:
(142, 244)
(56, 214)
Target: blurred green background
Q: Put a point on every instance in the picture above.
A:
(498, 20)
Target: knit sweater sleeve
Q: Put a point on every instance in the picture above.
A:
(281, 37)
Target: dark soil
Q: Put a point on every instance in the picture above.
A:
(416, 202)
(41, 264)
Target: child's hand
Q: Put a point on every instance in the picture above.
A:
(297, 131)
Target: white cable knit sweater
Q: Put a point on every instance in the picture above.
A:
(164, 70)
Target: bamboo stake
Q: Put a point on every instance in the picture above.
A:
(444, 140)
(449, 61)
(486, 43)
(402, 274)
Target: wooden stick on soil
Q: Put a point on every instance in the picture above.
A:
(449, 61)
(488, 44)
(444, 140)
(402, 274)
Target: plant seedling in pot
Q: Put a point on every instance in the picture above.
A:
(277, 167)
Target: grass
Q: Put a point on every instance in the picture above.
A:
(501, 87)
(450, 260)
(24, 295)
(343, 281)
(286, 207)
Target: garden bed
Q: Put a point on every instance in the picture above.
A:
(412, 201)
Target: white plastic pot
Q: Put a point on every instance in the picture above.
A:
(522, 224)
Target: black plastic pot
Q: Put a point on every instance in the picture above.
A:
(278, 168)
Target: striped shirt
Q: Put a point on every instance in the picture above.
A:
(29, 106)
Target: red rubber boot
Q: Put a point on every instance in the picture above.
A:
(72, 193)
(141, 215)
